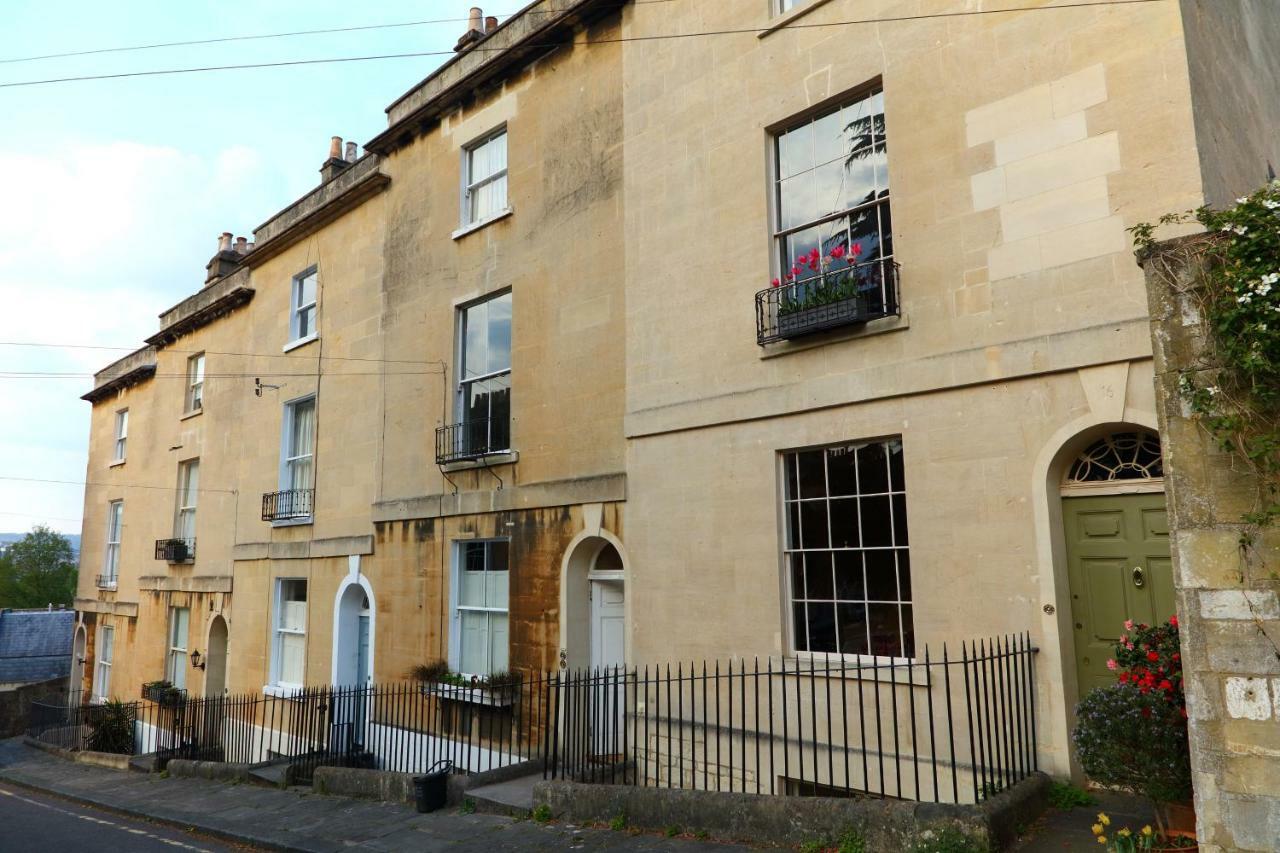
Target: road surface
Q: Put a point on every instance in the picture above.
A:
(38, 823)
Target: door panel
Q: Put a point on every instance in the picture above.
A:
(1119, 567)
(608, 636)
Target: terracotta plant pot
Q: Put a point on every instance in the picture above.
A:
(1182, 819)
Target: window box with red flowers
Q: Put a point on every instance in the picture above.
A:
(826, 292)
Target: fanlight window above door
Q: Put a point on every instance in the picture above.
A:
(1118, 457)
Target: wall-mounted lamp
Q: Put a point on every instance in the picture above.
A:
(195, 660)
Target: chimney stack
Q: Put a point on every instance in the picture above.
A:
(351, 152)
(490, 24)
(475, 30)
(224, 262)
(335, 163)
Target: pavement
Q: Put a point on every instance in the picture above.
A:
(1072, 829)
(294, 819)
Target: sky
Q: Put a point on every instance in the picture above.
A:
(113, 192)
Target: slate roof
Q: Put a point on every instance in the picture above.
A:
(35, 645)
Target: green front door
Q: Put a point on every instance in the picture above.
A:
(1118, 557)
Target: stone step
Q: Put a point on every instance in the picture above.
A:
(514, 797)
(273, 775)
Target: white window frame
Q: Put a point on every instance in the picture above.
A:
(465, 382)
(287, 457)
(297, 308)
(177, 660)
(188, 498)
(115, 532)
(791, 547)
(278, 631)
(455, 608)
(122, 436)
(102, 663)
(194, 401)
(470, 183)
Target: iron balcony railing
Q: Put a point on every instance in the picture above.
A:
(176, 550)
(472, 440)
(105, 581)
(829, 300)
(288, 505)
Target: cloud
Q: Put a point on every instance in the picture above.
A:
(95, 240)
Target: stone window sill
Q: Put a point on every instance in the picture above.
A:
(116, 463)
(873, 669)
(483, 223)
(293, 522)
(882, 326)
(186, 416)
(300, 342)
(281, 691)
(791, 17)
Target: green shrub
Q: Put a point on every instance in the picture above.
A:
(1135, 740)
(1065, 796)
(851, 842)
(542, 813)
(111, 728)
(671, 831)
(618, 823)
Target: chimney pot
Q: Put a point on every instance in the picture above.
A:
(249, 246)
(490, 24)
(335, 148)
(351, 152)
(241, 243)
(476, 20)
(224, 241)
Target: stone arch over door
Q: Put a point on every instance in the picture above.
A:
(1057, 688)
(215, 668)
(352, 637)
(597, 555)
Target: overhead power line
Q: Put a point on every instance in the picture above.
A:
(619, 40)
(280, 35)
(169, 488)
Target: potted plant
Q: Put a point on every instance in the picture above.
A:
(499, 688)
(830, 296)
(1133, 734)
(163, 692)
(111, 728)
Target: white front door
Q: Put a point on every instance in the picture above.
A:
(608, 654)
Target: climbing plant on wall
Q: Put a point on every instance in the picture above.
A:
(1235, 388)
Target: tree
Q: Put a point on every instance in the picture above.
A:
(38, 570)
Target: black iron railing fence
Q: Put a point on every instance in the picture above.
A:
(472, 439)
(827, 300)
(953, 727)
(289, 505)
(176, 550)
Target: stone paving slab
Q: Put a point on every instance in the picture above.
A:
(300, 820)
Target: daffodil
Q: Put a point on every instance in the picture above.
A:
(1102, 839)
(1124, 832)
(1103, 819)
(1097, 829)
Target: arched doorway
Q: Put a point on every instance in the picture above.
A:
(354, 634)
(215, 671)
(76, 686)
(1116, 534)
(594, 627)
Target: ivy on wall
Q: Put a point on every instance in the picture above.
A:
(1234, 390)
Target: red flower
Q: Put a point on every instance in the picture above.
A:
(1153, 656)
(775, 283)
(837, 253)
(1177, 656)
(1166, 685)
(795, 271)
(856, 250)
(1173, 620)
(1124, 678)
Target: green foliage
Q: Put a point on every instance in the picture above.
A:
(618, 823)
(1235, 393)
(948, 841)
(832, 287)
(38, 570)
(1065, 796)
(851, 842)
(671, 831)
(541, 813)
(812, 847)
(111, 728)
(1134, 740)
(1123, 839)
(468, 806)
(437, 672)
